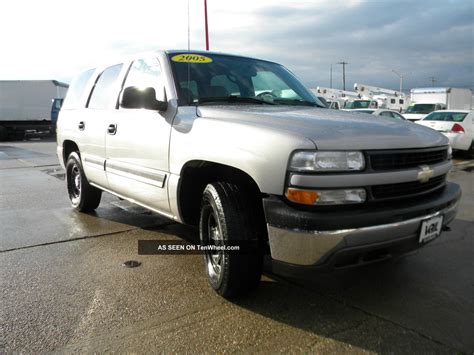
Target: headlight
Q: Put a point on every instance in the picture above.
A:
(320, 161)
(326, 197)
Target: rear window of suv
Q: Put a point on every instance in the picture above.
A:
(76, 90)
(446, 116)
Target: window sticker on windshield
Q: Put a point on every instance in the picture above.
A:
(191, 58)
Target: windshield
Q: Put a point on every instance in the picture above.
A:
(215, 78)
(358, 104)
(446, 116)
(421, 108)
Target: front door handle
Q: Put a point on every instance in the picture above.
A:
(112, 129)
(81, 126)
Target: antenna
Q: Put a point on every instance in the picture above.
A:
(433, 80)
(189, 41)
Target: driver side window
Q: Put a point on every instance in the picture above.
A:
(146, 73)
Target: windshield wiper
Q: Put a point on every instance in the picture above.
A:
(234, 99)
(297, 102)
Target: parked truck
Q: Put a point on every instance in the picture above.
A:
(29, 106)
(335, 98)
(385, 98)
(427, 100)
(215, 141)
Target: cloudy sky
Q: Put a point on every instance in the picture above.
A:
(53, 39)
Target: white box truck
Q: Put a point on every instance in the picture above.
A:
(426, 100)
(29, 105)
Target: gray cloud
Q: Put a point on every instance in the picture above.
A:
(419, 38)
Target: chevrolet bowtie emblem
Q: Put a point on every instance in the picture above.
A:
(425, 174)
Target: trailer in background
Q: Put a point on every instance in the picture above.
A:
(427, 100)
(29, 106)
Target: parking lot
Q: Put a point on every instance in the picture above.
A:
(64, 287)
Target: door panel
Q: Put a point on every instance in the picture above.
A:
(92, 139)
(137, 157)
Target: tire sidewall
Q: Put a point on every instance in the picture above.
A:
(211, 204)
(75, 160)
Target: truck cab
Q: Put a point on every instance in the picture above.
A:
(416, 112)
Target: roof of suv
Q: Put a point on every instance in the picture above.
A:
(202, 52)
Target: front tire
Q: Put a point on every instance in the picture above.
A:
(83, 196)
(228, 217)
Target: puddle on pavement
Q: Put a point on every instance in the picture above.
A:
(130, 207)
(56, 172)
(12, 152)
(469, 169)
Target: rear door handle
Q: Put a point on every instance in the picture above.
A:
(81, 125)
(112, 129)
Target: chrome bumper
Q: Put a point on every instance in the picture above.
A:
(308, 248)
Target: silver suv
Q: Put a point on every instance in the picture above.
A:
(240, 148)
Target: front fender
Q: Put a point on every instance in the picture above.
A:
(260, 152)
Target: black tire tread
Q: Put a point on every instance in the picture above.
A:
(90, 195)
(244, 270)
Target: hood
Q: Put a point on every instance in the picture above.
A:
(330, 129)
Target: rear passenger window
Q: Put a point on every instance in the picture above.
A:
(76, 90)
(103, 92)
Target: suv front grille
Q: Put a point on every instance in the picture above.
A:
(407, 189)
(404, 159)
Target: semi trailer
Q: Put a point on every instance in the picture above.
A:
(29, 106)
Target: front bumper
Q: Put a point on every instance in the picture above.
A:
(332, 239)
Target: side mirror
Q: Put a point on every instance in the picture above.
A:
(134, 97)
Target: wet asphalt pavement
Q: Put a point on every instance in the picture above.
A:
(63, 286)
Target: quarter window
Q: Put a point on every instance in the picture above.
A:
(103, 92)
(76, 90)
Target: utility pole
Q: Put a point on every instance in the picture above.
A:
(330, 78)
(343, 63)
(205, 21)
(401, 81)
(433, 80)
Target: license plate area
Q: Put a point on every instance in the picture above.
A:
(430, 229)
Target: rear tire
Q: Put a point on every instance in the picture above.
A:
(83, 196)
(227, 216)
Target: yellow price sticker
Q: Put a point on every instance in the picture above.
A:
(191, 58)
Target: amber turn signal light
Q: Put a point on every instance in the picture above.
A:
(301, 196)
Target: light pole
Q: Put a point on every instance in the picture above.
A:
(343, 63)
(401, 81)
(330, 78)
